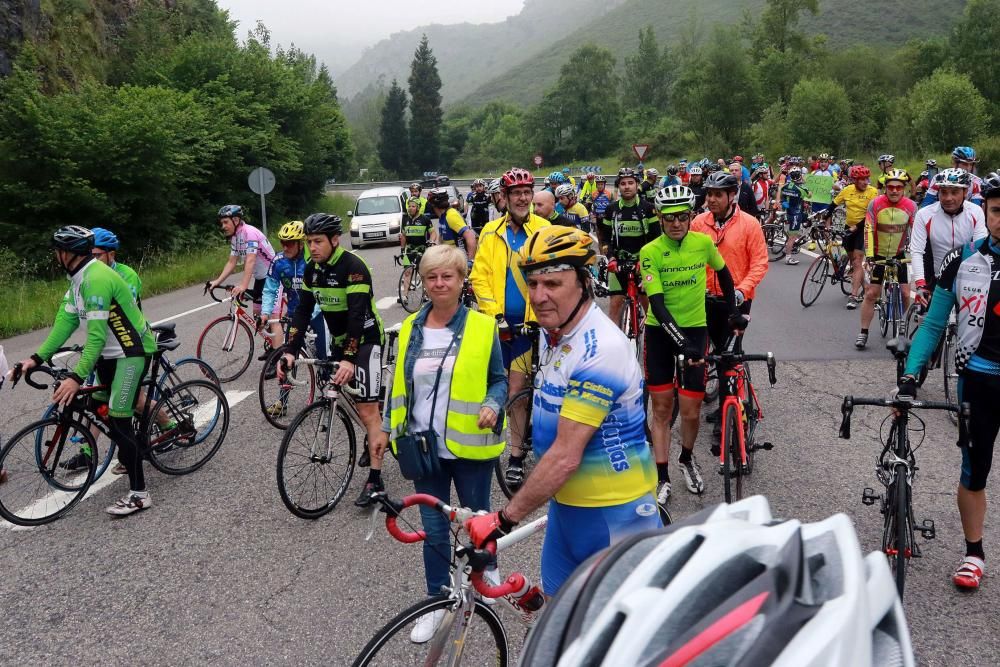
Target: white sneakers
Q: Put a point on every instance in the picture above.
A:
(426, 626)
(134, 501)
(662, 492)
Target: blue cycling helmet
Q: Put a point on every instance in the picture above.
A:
(964, 154)
(104, 239)
(557, 177)
(231, 211)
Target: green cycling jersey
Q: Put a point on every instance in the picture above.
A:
(131, 279)
(677, 271)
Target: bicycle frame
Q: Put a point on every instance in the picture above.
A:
(238, 313)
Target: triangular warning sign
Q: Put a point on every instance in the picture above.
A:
(640, 150)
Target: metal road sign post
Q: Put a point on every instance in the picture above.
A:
(640, 151)
(261, 182)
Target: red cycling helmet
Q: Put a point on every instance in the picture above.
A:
(738, 158)
(859, 171)
(516, 176)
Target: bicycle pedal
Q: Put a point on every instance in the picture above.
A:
(869, 497)
(927, 529)
(766, 446)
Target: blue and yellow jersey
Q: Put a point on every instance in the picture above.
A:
(451, 227)
(591, 377)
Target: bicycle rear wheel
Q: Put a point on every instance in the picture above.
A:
(281, 401)
(228, 358)
(814, 281)
(518, 411)
(411, 298)
(183, 370)
(775, 238)
(950, 374)
(38, 490)
(485, 641)
(187, 427)
(316, 460)
(844, 264)
(732, 472)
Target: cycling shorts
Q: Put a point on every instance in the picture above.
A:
(660, 363)
(124, 377)
(980, 391)
(794, 219)
(878, 272)
(367, 372)
(574, 534)
(516, 354)
(257, 292)
(854, 239)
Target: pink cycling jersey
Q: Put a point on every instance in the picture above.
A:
(248, 240)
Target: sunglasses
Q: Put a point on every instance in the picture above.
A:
(674, 217)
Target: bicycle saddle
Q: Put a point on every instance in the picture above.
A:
(167, 328)
(899, 347)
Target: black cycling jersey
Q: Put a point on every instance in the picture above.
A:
(699, 196)
(647, 190)
(479, 209)
(417, 231)
(627, 227)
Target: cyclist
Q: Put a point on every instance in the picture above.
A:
(568, 178)
(887, 226)
(415, 190)
(970, 281)
(479, 205)
(247, 244)
(595, 469)
(547, 207)
(498, 204)
(761, 188)
(102, 298)
(555, 179)
(502, 292)
(824, 168)
(451, 227)
(791, 197)
(601, 201)
(650, 184)
(629, 223)
(696, 183)
(575, 211)
(932, 169)
(963, 157)
(885, 163)
(950, 222)
(105, 249)
(855, 199)
(673, 269)
(587, 187)
(672, 178)
(418, 232)
(341, 283)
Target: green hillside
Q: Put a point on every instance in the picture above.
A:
(884, 23)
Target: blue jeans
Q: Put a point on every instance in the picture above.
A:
(473, 480)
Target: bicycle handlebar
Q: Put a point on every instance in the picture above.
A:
(905, 404)
(228, 288)
(319, 363)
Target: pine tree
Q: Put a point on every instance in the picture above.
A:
(425, 108)
(394, 141)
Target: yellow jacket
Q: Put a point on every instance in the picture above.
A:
(493, 257)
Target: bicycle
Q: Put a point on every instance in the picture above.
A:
(185, 416)
(488, 640)
(633, 317)
(832, 264)
(943, 357)
(896, 468)
(280, 401)
(224, 339)
(322, 442)
(775, 236)
(519, 404)
(411, 286)
(890, 306)
(740, 415)
(814, 232)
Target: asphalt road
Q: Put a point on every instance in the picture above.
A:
(219, 572)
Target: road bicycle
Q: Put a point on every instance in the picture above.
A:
(279, 400)
(944, 355)
(832, 265)
(633, 317)
(227, 342)
(740, 416)
(470, 627)
(411, 286)
(180, 435)
(775, 236)
(518, 410)
(318, 453)
(813, 231)
(890, 307)
(896, 468)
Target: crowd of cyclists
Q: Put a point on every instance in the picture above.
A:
(695, 241)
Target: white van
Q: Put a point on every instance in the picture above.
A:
(377, 216)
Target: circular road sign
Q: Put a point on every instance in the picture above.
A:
(261, 180)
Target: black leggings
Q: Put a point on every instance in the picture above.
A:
(717, 315)
(980, 391)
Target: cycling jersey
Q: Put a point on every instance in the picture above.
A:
(761, 192)
(417, 231)
(741, 243)
(248, 240)
(699, 196)
(887, 226)
(479, 209)
(102, 298)
(451, 227)
(627, 227)
(935, 233)
(677, 271)
(343, 288)
(855, 203)
(973, 194)
(286, 273)
(647, 190)
(590, 376)
(131, 279)
(601, 201)
(578, 213)
(792, 195)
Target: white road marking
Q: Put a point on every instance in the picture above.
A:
(233, 396)
(386, 302)
(184, 314)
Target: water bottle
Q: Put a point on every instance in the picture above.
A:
(526, 602)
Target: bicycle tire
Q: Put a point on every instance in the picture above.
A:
(196, 408)
(524, 399)
(896, 536)
(197, 368)
(228, 364)
(19, 458)
(845, 274)
(414, 298)
(299, 443)
(950, 375)
(775, 238)
(814, 281)
(270, 393)
(102, 461)
(882, 307)
(895, 309)
(731, 476)
(368, 655)
(625, 323)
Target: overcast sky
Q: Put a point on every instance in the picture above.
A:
(336, 31)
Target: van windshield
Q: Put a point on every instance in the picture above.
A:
(378, 205)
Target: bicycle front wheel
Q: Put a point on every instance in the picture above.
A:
(484, 643)
(950, 374)
(226, 345)
(411, 289)
(896, 536)
(775, 238)
(103, 456)
(281, 401)
(814, 281)
(882, 308)
(732, 465)
(187, 427)
(316, 460)
(38, 490)
(518, 411)
(844, 262)
(628, 325)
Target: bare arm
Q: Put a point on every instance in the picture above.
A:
(227, 270)
(470, 243)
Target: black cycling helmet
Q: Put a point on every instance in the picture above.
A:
(323, 223)
(442, 180)
(231, 211)
(721, 180)
(439, 198)
(991, 186)
(626, 172)
(672, 170)
(73, 238)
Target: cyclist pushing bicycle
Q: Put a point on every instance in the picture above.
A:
(419, 231)
(102, 298)
(595, 470)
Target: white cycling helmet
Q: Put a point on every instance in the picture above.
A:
(493, 187)
(652, 172)
(728, 586)
(674, 199)
(565, 190)
(694, 171)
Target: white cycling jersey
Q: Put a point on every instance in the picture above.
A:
(935, 233)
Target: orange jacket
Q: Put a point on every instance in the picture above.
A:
(741, 243)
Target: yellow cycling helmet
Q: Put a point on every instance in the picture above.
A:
(897, 175)
(292, 231)
(556, 248)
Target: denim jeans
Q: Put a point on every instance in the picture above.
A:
(473, 480)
